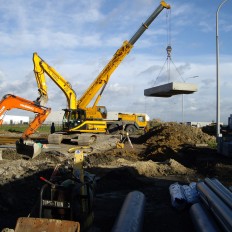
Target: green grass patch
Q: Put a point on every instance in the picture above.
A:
(212, 144)
(20, 128)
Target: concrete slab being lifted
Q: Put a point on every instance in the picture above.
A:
(170, 89)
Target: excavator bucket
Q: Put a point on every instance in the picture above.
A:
(28, 148)
(26, 224)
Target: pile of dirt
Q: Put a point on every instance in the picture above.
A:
(144, 168)
(170, 138)
(13, 167)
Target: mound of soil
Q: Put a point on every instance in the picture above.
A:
(168, 139)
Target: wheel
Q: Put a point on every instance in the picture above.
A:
(131, 129)
(113, 128)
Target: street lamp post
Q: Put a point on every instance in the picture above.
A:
(183, 99)
(218, 79)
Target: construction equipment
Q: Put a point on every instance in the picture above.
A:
(131, 123)
(99, 84)
(84, 128)
(41, 67)
(79, 118)
(65, 200)
(114, 122)
(25, 146)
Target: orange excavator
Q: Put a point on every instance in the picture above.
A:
(25, 146)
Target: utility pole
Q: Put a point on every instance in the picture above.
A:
(218, 79)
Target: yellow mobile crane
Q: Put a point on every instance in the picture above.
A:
(81, 118)
(99, 84)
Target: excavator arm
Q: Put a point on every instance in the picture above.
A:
(102, 79)
(41, 67)
(10, 101)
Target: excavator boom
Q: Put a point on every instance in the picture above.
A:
(10, 101)
(41, 67)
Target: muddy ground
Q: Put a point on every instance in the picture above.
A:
(166, 154)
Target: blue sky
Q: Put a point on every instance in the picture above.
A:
(78, 38)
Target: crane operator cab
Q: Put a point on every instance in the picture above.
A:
(73, 118)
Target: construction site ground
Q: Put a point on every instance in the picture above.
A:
(166, 154)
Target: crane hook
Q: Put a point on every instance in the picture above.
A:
(169, 50)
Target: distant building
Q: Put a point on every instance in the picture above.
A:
(55, 116)
(200, 124)
(13, 119)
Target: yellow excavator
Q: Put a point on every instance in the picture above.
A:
(66, 201)
(79, 118)
(84, 126)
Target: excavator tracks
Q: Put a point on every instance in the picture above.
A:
(8, 140)
(4, 140)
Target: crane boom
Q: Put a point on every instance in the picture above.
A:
(103, 78)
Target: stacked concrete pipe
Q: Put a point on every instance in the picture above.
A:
(214, 211)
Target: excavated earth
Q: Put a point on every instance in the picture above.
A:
(168, 153)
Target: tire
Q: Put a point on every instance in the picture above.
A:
(113, 129)
(131, 129)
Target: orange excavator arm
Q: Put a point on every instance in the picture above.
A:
(10, 101)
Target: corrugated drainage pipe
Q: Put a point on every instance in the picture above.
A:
(131, 215)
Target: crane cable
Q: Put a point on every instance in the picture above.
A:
(168, 60)
(169, 47)
(169, 26)
(168, 37)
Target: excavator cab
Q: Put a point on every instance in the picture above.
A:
(103, 111)
(73, 118)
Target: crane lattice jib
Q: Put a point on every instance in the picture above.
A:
(103, 78)
(40, 67)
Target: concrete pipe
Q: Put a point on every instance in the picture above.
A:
(131, 216)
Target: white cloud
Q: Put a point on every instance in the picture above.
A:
(206, 27)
